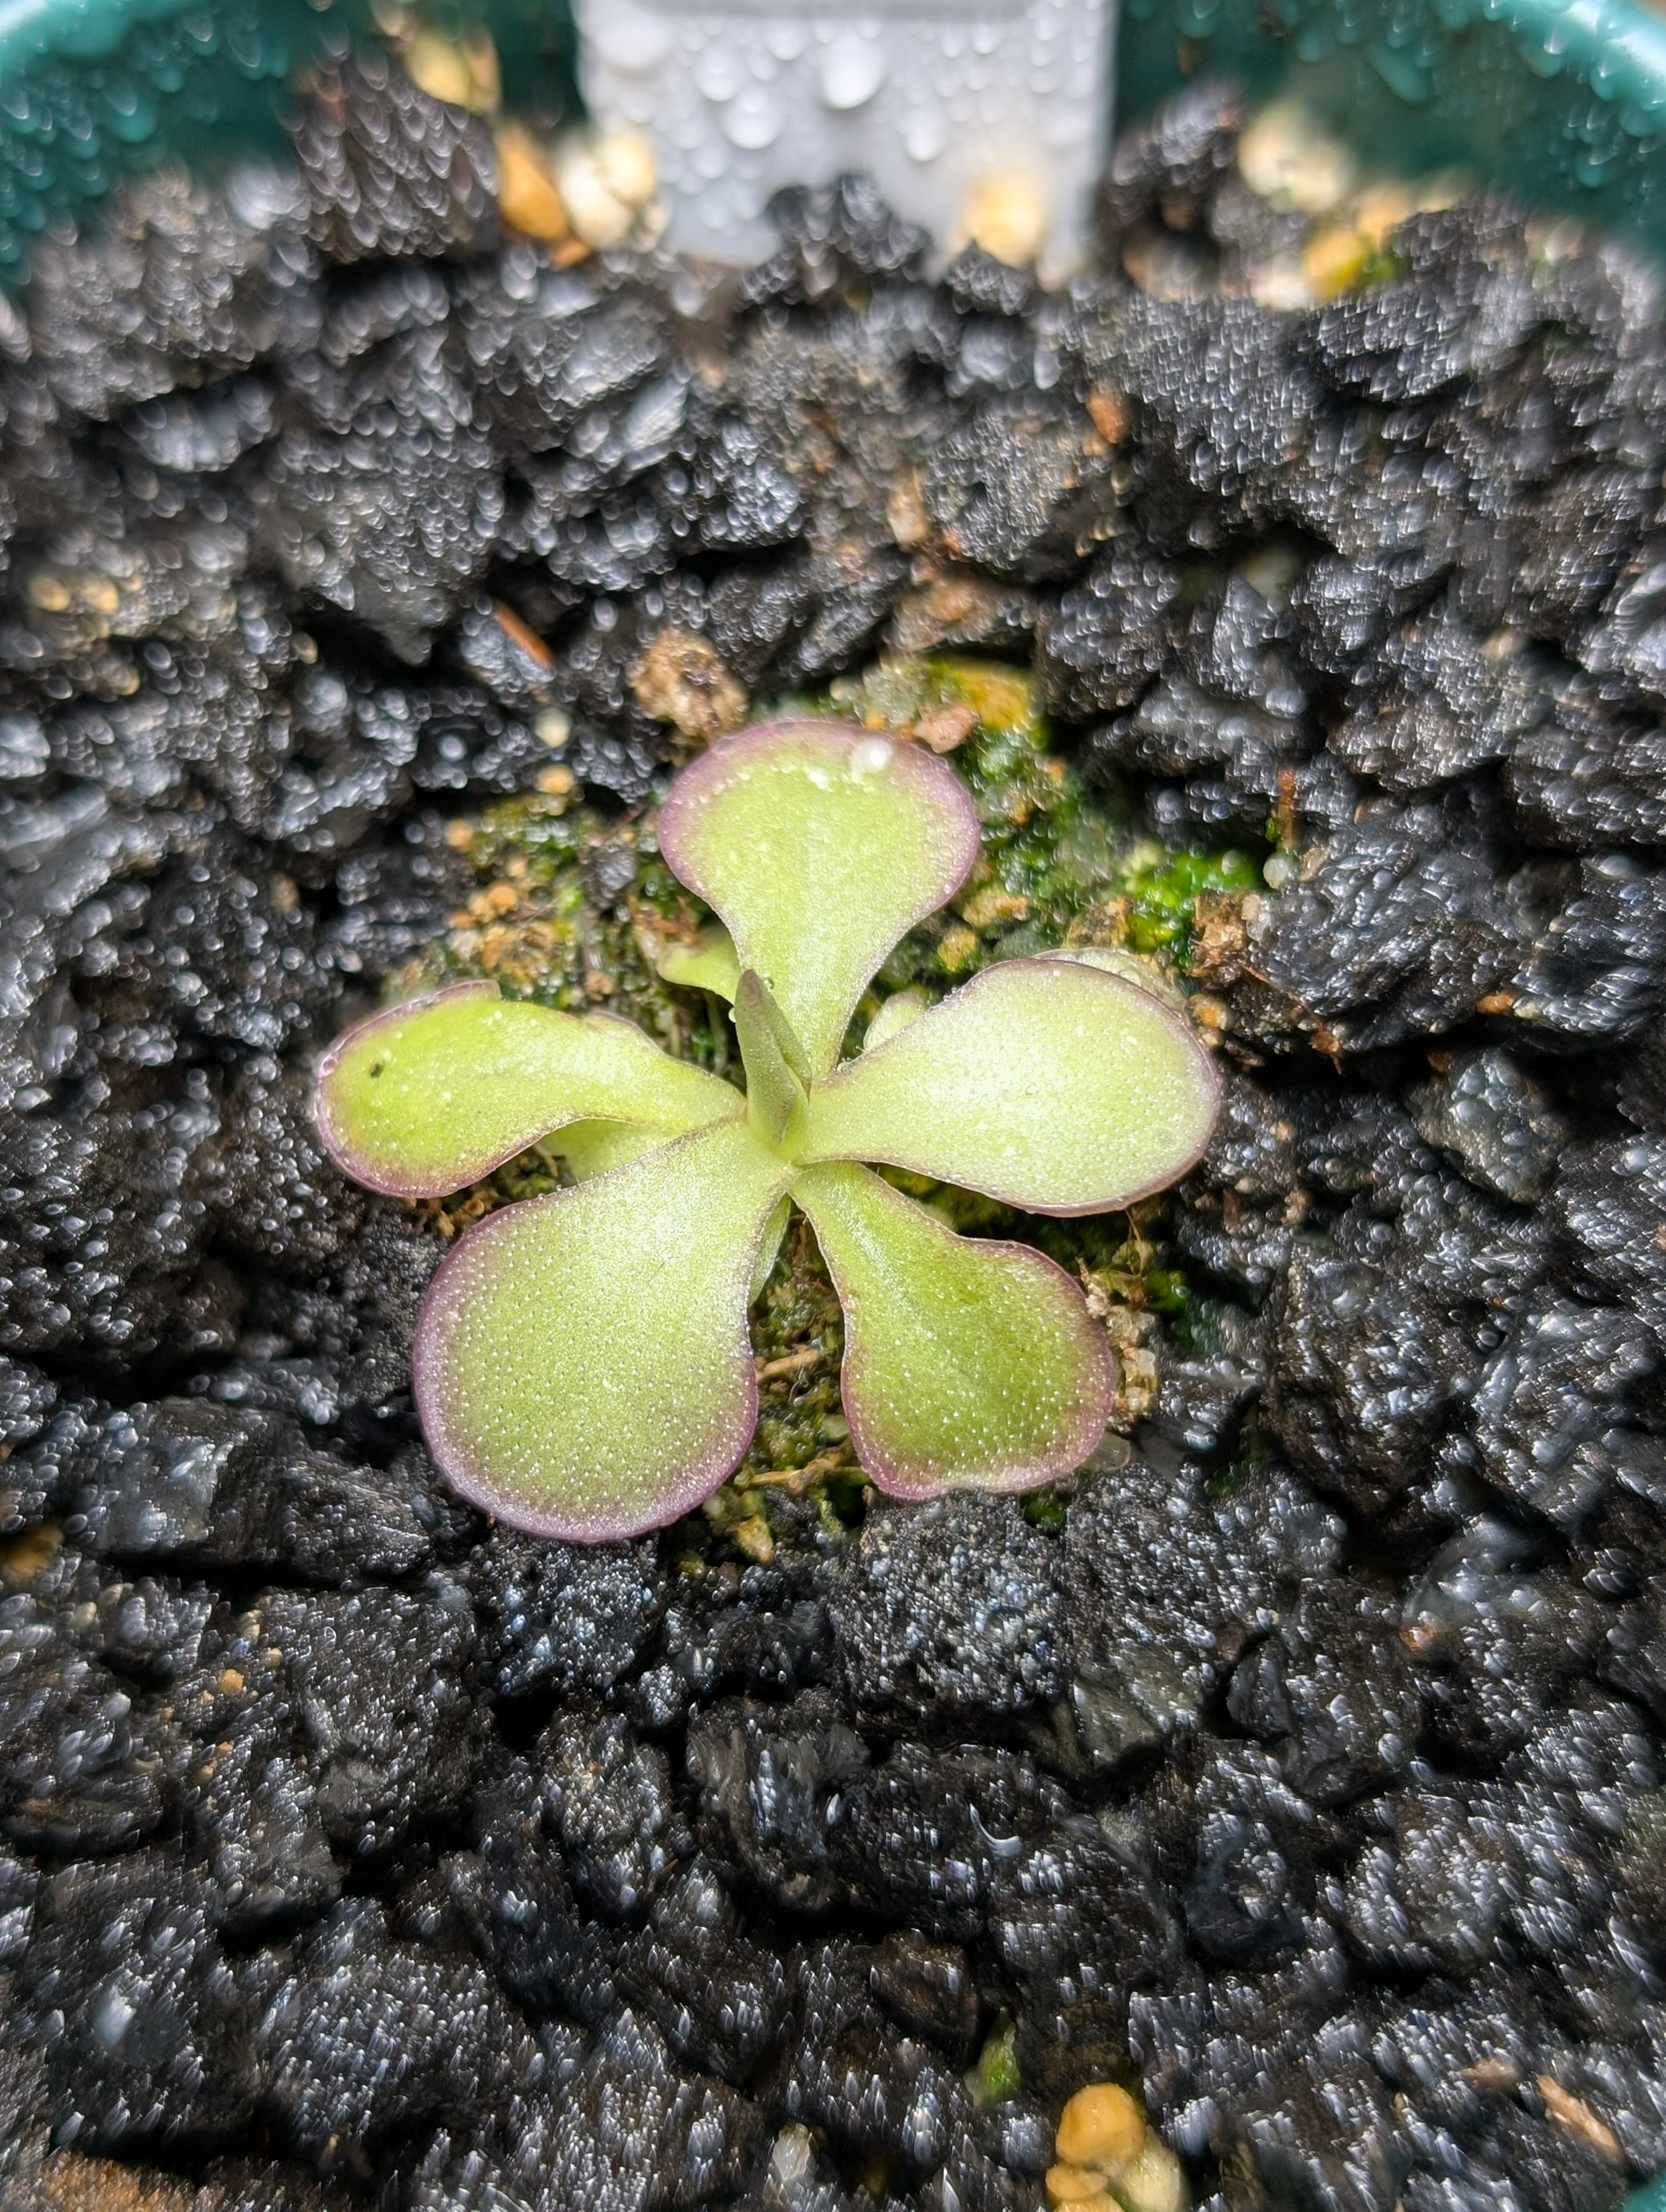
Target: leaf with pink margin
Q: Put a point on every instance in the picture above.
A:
(435, 1094)
(820, 845)
(581, 1362)
(968, 1364)
(1046, 1084)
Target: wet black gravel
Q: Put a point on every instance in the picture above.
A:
(1307, 1769)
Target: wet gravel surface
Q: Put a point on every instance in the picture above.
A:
(1305, 1771)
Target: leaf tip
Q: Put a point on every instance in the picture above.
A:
(352, 1056)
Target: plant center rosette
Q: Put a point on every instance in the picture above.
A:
(582, 1366)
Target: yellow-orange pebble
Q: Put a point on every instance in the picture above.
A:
(1073, 2185)
(1103, 2127)
(526, 195)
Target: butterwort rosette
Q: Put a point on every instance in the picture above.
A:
(582, 1367)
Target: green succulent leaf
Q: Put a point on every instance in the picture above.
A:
(710, 963)
(591, 1148)
(895, 1013)
(582, 1365)
(1045, 1083)
(437, 1093)
(820, 845)
(966, 1363)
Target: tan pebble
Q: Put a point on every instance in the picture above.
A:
(459, 835)
(1334, 260)
(50, 593)
(1102, 2126)
(1109, 413)
(463, 72)
(1491, 2076)
(1573, 2113)
(527, 198)
(943, 728)
(678, 678)
(1287, 156)
(607, 181)
(905, 511)
(1381, 208)
(230, 1682)
(437, 66)
(1071, 2184)
(626, 166)
(1007, 215)
(24, 1557)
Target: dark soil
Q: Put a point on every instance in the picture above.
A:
(1301, 1770)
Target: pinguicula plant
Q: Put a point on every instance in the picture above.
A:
(581, 1365)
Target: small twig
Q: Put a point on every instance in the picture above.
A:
(795, 1479)
(790, 1363)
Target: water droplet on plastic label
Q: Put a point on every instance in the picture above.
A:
(925, 133)
(853, 70)
(752, 119)
(631, 38)
(719, 73)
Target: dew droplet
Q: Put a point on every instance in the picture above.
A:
(853, 69)
(752, 119)
(629, 38)
(925, 133)
(719, 73)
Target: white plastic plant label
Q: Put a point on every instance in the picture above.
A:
(987, 122)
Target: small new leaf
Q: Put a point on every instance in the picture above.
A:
(776, 1071)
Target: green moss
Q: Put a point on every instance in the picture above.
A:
(1162, 887)
(996, 2078)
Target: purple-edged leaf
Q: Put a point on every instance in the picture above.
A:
(437, 1093)
(967, 1364)
(1047, 1083)
(582, 1365)
(820, 845)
